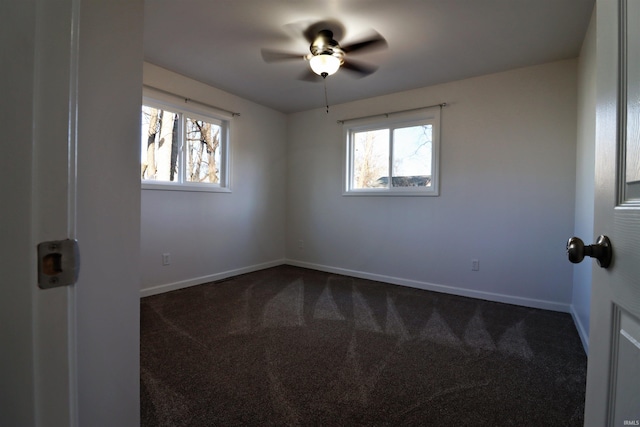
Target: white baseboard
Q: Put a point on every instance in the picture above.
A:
(154, 290)
(582, 332)
(488, 296)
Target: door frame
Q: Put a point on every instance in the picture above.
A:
(71, 101)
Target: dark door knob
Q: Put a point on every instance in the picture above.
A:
(601, 251)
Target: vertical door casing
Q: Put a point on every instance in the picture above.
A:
(53, 203)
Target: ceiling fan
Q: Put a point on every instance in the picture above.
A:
(326, 56)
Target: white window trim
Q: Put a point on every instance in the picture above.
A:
(426, 116)
(158, 99)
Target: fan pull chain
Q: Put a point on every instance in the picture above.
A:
(326, 99)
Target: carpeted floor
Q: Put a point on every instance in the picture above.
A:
(291, 346)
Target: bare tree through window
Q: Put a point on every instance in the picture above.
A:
(203, 141)
(371, 157)
(159, 144)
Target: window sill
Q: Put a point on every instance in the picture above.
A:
(202, 188)
(395, 193)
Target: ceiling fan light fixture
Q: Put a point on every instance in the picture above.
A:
(325, 64)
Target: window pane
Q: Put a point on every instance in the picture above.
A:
(371, 159)
(203, 151)
(159, 145)
(412, 150)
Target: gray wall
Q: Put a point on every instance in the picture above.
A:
(108, 211)
(585, 178)
(214, 235)
(17, 392)
(507, 190)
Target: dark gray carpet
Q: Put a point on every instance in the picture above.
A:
(291, 346)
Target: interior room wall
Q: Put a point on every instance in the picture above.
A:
(107, 309)
(214, 235)
(585, 178)
(507, 192)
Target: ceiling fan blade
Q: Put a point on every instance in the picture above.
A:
(311, 32)
(359, 68)
(375, 41)
(270, 55)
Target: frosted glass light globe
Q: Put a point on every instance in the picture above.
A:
(324, 63)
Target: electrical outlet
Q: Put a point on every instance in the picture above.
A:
(300, 244)
(166, 259)
(475, 265)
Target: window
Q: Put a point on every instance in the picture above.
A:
(395, 156)
(182, 149)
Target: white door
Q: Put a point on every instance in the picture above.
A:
(613, 379)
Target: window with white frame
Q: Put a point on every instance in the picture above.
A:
(396, 155)
(183, 149)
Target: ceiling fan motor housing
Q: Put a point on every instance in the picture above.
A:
(324, 44)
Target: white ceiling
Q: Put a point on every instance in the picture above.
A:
(219, 42)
